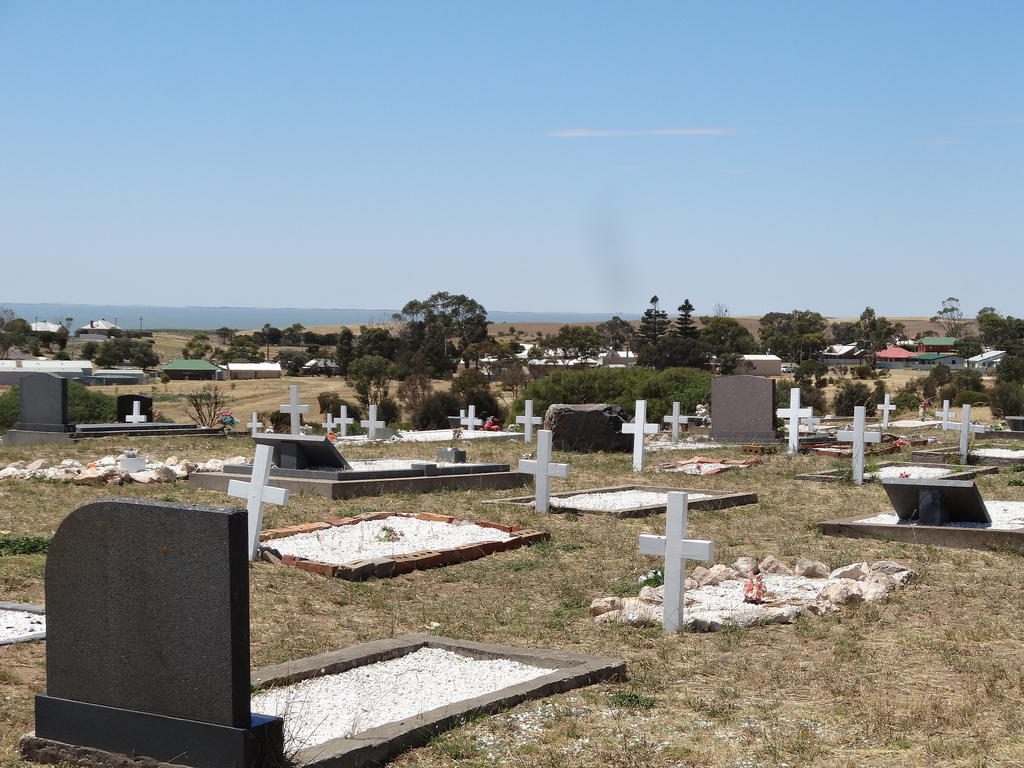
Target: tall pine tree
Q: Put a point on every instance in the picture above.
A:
(653, 325)
(685, 326)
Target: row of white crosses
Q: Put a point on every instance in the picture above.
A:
(676, 549)
(340, 425)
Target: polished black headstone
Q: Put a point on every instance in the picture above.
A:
(936, 502)
(126, 407)
(147, 646)
(43, 403)
(302, 451)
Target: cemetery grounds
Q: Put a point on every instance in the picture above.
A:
(932, 675)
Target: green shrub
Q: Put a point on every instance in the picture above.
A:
(389, 411)
(9, 407)
(852, 393)
(809, 396)
(86, 406)
(907, 401)
(970, 398)
(1007, 399)
(623, 387)
(434, 410)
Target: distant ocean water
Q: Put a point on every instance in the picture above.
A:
(138, 317)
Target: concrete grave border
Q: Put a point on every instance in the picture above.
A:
(379, 745)
(385, 567)
(24, 608)
(940, 455)
(718, 500)
(937, 535)
(835, 475)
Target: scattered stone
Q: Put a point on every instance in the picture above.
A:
(587, 427)
(16, 465)
(855, 571)
(37, 465)
(13, 473)
(772, 564)
(605, 604)
(811, 569)
(743, 565)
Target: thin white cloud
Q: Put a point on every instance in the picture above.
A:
(575, 133)
(941, 141)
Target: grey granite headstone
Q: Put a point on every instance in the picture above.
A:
(302, 451)
(126, 407)
(936, 502)
(743, 408)
(43, 401)
(148, 635)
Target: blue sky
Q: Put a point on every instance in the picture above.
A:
(569, 156)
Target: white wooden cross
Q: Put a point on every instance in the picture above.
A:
(795, 414)
(638, 428)
(293, 409)
(329, 424)
(965, 428)
(528, 420)
(544, 469)
(675, 420)
(859, 436)
(676, 549)
(471, 422)
(371, 424)
(257, 492)
(946, 414)
(886, 408)
(255, 424)
(136, 416)
(343, 421)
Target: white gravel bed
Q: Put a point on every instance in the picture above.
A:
(616, 501)
(725, 601)
(659, 445)
(1006, 516)
(433, 436)
(1002, 453)
(916, 473)
(15, 624)
(915, 424)
(380, 465)
(703, 468)
(345, 543)
(338, 706)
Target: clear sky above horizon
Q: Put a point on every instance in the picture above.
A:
(536, 156)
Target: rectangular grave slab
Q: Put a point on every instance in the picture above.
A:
(936, 502)
(29, 610)
(148, 637)
(302, 451)
(716, 500)
(379, 745)
(743, 408)
(984, 539)
(956, 472)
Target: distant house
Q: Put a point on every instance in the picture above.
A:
(96, 330)
(928, 360)
(614, 358)
(893, 357)
(105, 377)
(243, 371)
(759, 365)
(11, 371)
(986, 361)
(936, 344)
(193, 370)
(842, 354)
(45, 326)
(319, 366)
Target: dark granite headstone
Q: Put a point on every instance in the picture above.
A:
(743, 408)
(936, 502)
(587, 427)
(43, 401)
(1015, 423)
(147, 646)
(302, 451)
(126, 407)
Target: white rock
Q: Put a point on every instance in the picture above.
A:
(772, 564)
(855, 571)
(16, 465)
(811, 569)
(653, 594)
(603, 605)
(143, 478)
(163, 474)
(743, 565)
(14, 473)
(635, 613)
(37, 465)
(70, 464)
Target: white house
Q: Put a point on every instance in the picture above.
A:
(759, 365)
(986, 361)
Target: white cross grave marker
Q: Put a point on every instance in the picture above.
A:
(471, 422)
(676, 549)
(371, 424)
(965, 428)
(946, 414)
(859, 436)
(329, 424)
(638, 428)
(675, 420)
(293, 409)
(257, 492)
(886, 408)
(343, 421)
(528, 420)
(795, 414)
(136, 416)
(255, 424)
(544, 469)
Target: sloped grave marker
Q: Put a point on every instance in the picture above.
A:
(654, 500)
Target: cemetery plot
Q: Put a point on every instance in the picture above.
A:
(21, 623)
(995, 456)
(382, 545)
(715, 597)
(905, 470)
(633, 500)
(340, 709)
(703, 465)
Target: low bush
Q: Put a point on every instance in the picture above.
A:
(970, 397)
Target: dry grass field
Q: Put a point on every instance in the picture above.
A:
(932, 676)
